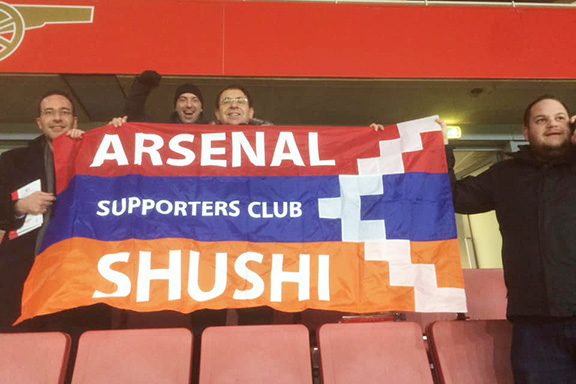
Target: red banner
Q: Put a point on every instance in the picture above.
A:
(250, 38)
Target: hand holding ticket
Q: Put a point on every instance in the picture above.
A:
(32, 202)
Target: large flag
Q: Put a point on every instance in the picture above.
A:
(159, 216)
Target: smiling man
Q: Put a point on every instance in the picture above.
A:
(533, 196)
(235, 106)
(188, 101)
(188, 105)
(18, 168)
(546, 127)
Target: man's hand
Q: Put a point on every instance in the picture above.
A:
(118, 121)
(444, 130)
(36, 203)
(149, 78)
(75, 133)
(377, 127)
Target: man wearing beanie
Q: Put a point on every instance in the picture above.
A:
(188, 102)
(188, 105)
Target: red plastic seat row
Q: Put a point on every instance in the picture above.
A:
(463, 351)
(471, 351)
(249, 354)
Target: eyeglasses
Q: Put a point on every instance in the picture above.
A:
(53, 112)
(230, 100)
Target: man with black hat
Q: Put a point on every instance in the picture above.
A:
(188, 102)
(188, 105)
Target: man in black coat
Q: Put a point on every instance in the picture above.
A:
(18, 168)
(533, 196)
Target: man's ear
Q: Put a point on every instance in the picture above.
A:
(75, 125)
(251, 112)
(38, 123)
(217, 114)
(525, 132)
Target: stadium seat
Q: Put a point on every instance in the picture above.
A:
(471, 351)
(134, 356)
(485, 293)
(425, 319)
(256, 354)
(391, 352)
(485, 299)
(314, 318)
(27, 358)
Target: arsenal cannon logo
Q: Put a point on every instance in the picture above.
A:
(16, 19)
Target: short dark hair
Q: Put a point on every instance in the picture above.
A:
(56, 92)
(528, 111)
(235, 86)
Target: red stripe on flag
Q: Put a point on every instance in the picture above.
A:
(334, 152)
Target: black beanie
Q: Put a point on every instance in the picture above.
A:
(188, 88)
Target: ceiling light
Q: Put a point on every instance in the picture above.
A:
(454, 132)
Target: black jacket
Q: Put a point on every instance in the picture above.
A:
(535, 205)
(18, 167)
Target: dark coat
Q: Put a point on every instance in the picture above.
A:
(18, 167)
(535, 204)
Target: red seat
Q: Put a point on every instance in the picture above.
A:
(485, 293)
(256, 354)
(134, 356)
(33, 357)
(485, 298)
(314, 318)
(391, 352)
(425, 319)
(472, 351)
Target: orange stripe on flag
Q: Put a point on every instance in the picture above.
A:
(78, 272)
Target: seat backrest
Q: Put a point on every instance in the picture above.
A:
(134, 356)
(33, 357)
(424, 318)
(485, 293)
(471, 351)
(391, 352)
(314, 318)
(256, 354)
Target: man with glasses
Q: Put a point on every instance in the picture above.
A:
(18, 169)
(234, 106)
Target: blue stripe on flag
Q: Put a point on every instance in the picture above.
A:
(409, 206)
(415, 206)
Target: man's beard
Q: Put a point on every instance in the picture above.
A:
(547, 152)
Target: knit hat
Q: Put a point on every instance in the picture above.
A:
(188, 88)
